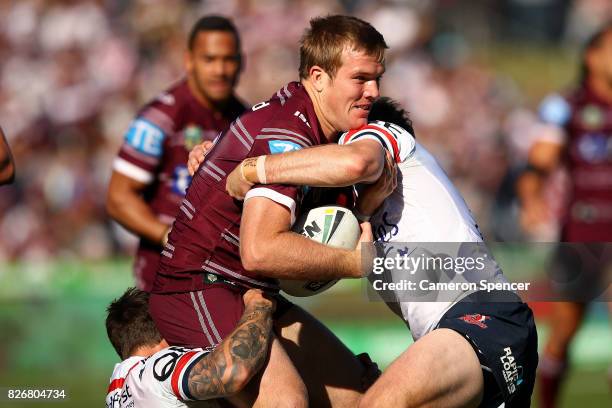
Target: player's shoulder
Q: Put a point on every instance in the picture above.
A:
(120, 376)
(556, 108)
(163, 109)
(169, 369)
(397, 140)
(283, 119)
(123, 368)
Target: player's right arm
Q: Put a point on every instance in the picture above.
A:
(268, 247)
(320, 166)
(7, 165)
(134, 169)
(126, 205)
(240, 356)
(545, 156)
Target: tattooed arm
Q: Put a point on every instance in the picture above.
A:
(241, 355)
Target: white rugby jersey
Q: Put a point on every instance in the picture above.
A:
(159, 381)
(425, 207)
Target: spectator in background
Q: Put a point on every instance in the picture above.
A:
(149, 174)
(579, 136)
(7, 165)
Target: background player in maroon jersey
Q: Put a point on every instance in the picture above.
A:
(149, 175)
(582, 121)
(219, 247)
(7, 166)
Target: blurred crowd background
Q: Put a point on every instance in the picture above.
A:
(74, 72)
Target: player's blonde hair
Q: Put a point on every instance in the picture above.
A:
(323, 43)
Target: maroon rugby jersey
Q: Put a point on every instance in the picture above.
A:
(587, 121)
(155, 151)
(205, 234)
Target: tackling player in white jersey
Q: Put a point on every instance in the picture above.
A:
(154, 375)
(481, 353)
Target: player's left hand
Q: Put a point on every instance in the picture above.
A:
(374, 194)
(197, 156)
(236, 185)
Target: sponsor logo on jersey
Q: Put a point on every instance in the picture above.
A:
(180, 180)
(591, 117)
(476, 319)
(145, 137)
(192, 136)
(555, 109)
(595, 147)
(282, 146)
(513, 374)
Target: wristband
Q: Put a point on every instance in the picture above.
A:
(248, 170)
(261, 169)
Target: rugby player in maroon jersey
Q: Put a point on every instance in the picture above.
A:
(582, 124)
(149, 174)
(218, 247)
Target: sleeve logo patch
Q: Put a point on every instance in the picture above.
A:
(145, 137)
(282, 146)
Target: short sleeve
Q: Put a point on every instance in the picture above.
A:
(143, 144)
(393, 138)
(275, 140)
(171, 369)
(555, 110)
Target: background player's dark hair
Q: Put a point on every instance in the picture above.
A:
(129, 324)
(387, 110)
(213, 23)
(593, 42)
(322, 44)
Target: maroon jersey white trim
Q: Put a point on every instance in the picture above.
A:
(205, 235)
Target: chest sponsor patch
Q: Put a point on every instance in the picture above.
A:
(595, 147)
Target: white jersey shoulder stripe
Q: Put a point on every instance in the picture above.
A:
(132, 171)
(397, 140)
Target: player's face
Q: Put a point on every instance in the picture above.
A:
(213, 65)
(348, 97)
(603, 58)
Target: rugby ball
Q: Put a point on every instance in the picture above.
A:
(333, 226)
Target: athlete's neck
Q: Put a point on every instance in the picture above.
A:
(146, 351)
(601, 87)
(315, 96)
(218, 106)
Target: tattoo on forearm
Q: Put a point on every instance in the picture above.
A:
(241, 354)
(250, 162)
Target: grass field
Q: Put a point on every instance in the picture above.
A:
(52, 333)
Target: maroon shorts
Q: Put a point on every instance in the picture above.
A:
(197, 319)
(145, 268)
